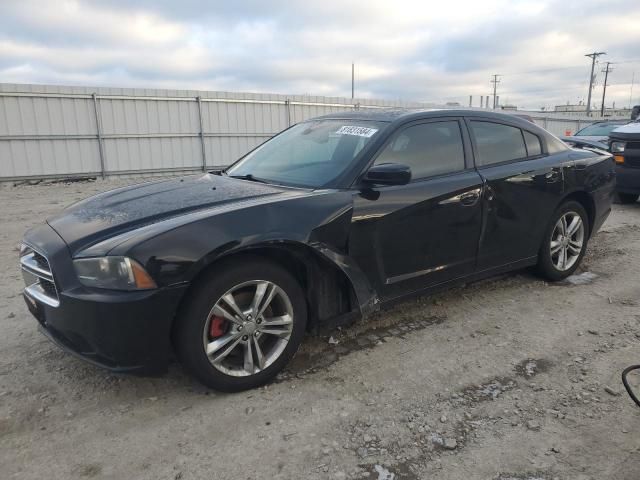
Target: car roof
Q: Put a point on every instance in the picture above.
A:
(609, 122)
(402, 115)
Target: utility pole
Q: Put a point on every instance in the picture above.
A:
(495, 82)
(604, 89)
(353, 80)
(593, 57)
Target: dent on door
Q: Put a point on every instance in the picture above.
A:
(519, 201)
(410, 237)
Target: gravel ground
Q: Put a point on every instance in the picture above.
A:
(510, 378)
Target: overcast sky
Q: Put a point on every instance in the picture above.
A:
(411, 50)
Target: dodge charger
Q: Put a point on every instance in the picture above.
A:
(327, 222)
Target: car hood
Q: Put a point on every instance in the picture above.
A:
(580, 142)
(123, 209)
(593, 138)
(631, 131)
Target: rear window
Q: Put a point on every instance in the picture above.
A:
(497, 143)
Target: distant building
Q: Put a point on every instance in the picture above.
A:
(570, 108)
(582, 108)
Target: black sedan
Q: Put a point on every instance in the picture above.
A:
(327, 222)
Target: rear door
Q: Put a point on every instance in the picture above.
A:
(523, 184)
(408, 237)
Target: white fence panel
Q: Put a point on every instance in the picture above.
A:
(58, 131)
(45, 157)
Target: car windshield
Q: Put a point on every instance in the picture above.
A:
(310, 154)
(598, 130)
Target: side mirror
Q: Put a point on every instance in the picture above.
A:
(388, 174)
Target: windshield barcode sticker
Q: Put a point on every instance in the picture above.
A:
(359, 131)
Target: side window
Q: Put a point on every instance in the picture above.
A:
(534, 147)
(428, 148)
(497, 143)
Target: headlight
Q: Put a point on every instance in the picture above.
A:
(617, 147)
(116, 273)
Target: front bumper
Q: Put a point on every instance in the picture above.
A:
(628, 179)
(121, 331)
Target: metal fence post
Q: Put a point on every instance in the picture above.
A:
(287, 106)
(96, 110)
(202, 146)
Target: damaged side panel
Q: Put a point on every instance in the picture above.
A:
(367, 298)
(331, 241)
(317, 220)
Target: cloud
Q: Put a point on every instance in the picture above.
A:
(410, 50)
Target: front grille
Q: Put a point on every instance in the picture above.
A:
(632, 155)
(41, 261)
(38, 277)
(49, 288)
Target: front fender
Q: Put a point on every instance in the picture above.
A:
(368, 300)
(318, 220)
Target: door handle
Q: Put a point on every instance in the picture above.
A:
(467, 198)
(553, 176)
(470, 198)
(580, 165)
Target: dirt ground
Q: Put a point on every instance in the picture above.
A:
(511, 378)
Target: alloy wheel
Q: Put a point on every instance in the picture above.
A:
(248, 328)
(567, 240)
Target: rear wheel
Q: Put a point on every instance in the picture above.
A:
(241, 325)
(565, 242)
(626, 198)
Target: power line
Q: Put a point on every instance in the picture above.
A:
(540, 89)
(593, 57)
(629, 60)
(544, 70)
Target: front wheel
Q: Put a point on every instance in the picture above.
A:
(241, 325)
(565, 242)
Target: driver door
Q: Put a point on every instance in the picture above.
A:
(415, 236)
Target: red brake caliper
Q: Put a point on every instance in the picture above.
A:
(217, 327)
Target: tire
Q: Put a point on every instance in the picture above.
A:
(550, 264)
(203, 323)
(626, 198)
